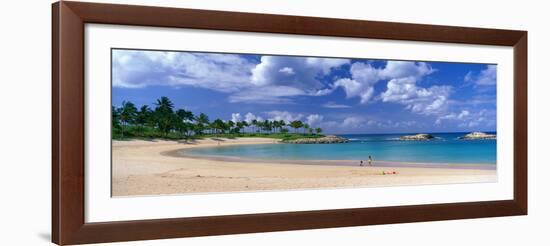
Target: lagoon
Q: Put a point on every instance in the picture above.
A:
(444, 149)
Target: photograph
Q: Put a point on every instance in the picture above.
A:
(200, 122)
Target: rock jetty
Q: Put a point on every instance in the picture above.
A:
(417, 137)
(478, 136)
(329, 139)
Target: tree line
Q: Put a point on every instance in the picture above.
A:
(164, 120)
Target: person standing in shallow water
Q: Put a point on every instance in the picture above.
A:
(361, 163)
(370, 160)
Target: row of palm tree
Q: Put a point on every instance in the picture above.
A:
(165, 119)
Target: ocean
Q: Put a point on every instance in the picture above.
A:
(445, 148)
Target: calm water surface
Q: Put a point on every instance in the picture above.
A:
(446, 148)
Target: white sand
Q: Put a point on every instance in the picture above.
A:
(151, 168)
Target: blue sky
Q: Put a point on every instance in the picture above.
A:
(336, 94)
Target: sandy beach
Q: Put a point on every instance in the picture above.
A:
(158, 167)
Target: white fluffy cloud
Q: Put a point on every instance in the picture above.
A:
(249, 117)
(284, 115)
(364, 76)
(274, 80)
(314, 120)
(220, 72)
(236, 117)
(453, 116)
(278, 78)
(353, 122)
(427, 101)
(469, 119)
(402, 88)
(486, 77)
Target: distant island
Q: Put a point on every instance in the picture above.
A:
(417, 137)
(329, 139)
(479, 136)
(469, 136)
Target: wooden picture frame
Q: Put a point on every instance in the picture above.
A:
(68, 223)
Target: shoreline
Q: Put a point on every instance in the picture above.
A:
(180, 153)
(142, 167)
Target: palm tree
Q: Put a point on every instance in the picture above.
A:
(128, 114)
(202, 121)
(267, 126)
(255, 124)
(282, 123)
(240, 126)
(230, 124)
(115, 117)
(183, 121)
(306, 127)
(296, 124)
(164, 115)
(144, 115)
(245, 125)
(277, 125)
(318, 130)
(218, 125)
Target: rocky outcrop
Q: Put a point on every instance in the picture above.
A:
(478, 136)
(329, 139)
(417, 137)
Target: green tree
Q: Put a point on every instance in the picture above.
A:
(244, 125)
(164, 116)
(183, 124)
(230, 125)
(267, 125)
(144, 116)
(255, 125)
(296, 125)
(115, 117)
(281, 124)
(277, 125)
(128, 115)
(306, 127)
(218, 125)
(318, 130)
(202, 122)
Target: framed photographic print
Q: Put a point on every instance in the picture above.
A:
(228, 122)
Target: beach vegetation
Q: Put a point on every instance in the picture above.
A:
(164, 121)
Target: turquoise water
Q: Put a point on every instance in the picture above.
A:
(446, 148)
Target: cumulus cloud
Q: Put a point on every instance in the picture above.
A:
(453, 116)
(469, 119)
(283, 115)
(486, 77)
(364, 76)
(299, 72)
(236, 117)
(427, 101)
(249, 117)
(219, 72)
(314, 120)
(353, 122)
(277, 79)
(274, 80)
